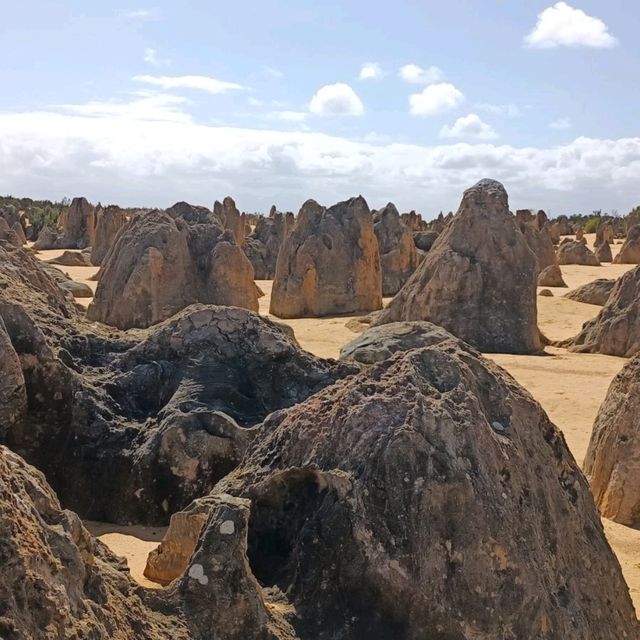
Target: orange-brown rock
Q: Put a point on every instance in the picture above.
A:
(551, 277)
(329, 264)
(231, 218)
(611, 463)
(479, 279)
(398, 255)
(630, 250)
(110, 221)
(574, 252)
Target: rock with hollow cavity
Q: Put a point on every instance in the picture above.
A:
(340, 488)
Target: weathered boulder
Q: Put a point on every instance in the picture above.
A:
(57, 581)
(110, 221)
(79, 226)
(8, 235)
(579, 234)
(551, 276)
(615, 330)
(163, 261)
(603, 252)
(329, 264)
(331, 501)
(398, 257)
(231, 218)
(47, 239)
(479, 279)
(596, 292)
(76, 289)
(424, 239)
(150, 420)
(72, 259)
(611, 463)
(546, 293)
(630, 250)
(379, 343)
(573, 252)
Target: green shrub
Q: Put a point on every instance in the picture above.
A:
(591, 225)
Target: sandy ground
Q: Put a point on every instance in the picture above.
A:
(569, 386)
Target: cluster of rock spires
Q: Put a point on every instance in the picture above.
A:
(298, 488)
(163, 261)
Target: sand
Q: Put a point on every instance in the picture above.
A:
(569, 386)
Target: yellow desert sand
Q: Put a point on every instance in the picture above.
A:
(569, 386)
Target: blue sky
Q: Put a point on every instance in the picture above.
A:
(277, 102)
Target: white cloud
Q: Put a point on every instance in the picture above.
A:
(151, 57)
(141, 14)
(470, 126)
(155, 156)
(289, 116)
(561, 124)
(435, 99)
(370, 71)
(563, 26)
(337, 99)
(270, 72)
(255, 102)
(417, 75)
(200, 83)
(146, 106)
(504, 110)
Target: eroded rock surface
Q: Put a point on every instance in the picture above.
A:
(596, 292)
(551, 276)
(340, 488)
(573, 252)
(329, 264)
(615, 331)
(612, 461)
(398, 256)
(630, 250)
(163, 261)
(479, 279)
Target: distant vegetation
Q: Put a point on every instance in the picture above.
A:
(41, 213)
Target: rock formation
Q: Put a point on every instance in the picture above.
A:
(231, 218)
(596, 292)
(604, 232)
(398, 257)
(630, 250)
(615, 330)
(77, 228)
(379, 343)
(551, 276)
(263, 244)
(8, 235)
(163, 261)
(326, 517)
(579, 234)
(72, 259)
(150, 420)
(539, 241)
(573, 252)
(611, 463)
(57, 581)
(603, 252)
(329, 264)
(110, 221)
(424, 240)
(479, 279)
